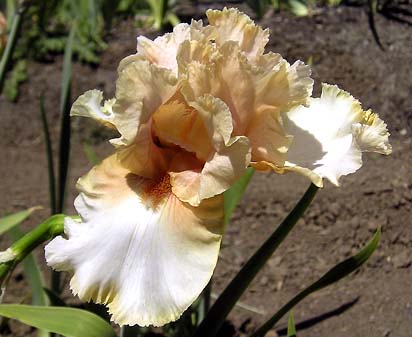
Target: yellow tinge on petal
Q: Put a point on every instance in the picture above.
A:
(194, 109)
(330, 135)
(138, 249)
(232, 25)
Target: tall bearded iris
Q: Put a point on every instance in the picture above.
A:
(194, 109)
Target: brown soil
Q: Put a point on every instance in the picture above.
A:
(374, 302)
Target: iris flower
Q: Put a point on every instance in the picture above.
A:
(194, 108)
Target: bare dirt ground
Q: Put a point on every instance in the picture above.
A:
(374, 302)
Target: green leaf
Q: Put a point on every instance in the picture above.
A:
(12, 220)
(17, 75)
(49, 155)
(65, 130)
(333, 275)
(227, 300)
(233, 195)
(291, 325)
(54, 299)
(298, 8)
(12, 38)
(373, 8)
(69, 322)
(65, 134)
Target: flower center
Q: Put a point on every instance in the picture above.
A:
(157, 190)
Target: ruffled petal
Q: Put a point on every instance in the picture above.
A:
(372, 136)
(232, 25)
(141, 89)
(188, 132)
(255, 94)
(269, 140)
(224, 165)
(218, 174)
(229, 78)
(163, 50)
(138, 249)
(284, 86)
(89, 105)
(330, 135)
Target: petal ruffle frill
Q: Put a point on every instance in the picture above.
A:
(330, 135)
(138, 249)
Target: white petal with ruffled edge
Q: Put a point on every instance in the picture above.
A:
(89, 105)
(330, 135)
(146, 259)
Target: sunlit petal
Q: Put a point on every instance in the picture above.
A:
(138, 249)
(140, 90)
(163, 50)
(89, 105)
(217, 175)
(225, 164)
(233, 25)
(330, 135)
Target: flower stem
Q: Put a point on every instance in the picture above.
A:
(47, 230)
(210, 326)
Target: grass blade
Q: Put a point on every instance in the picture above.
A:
(49, 154)
(333, 275)
(12, 220)
(11, 42)
(291, 325)
(227, 300)
(54, 299)
(33, 276)
(373, 8)
(233, 195)
(69, 322)
(65, 130)
(65, 133)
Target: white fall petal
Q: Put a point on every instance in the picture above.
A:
(330, 135)
(138, 249)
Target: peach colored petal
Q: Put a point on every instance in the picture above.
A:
(218, 174)
(232, 25)
(228, 78)
(225, 165)
(140, 90)
(176, 123)
(255, 94)
(284, 86)
(163, 50)
(268, 138)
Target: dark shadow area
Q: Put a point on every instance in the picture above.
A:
(318, 319)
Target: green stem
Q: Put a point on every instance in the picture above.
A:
(204, 304)
(335, 274)
(227, 300)
(52, 227)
